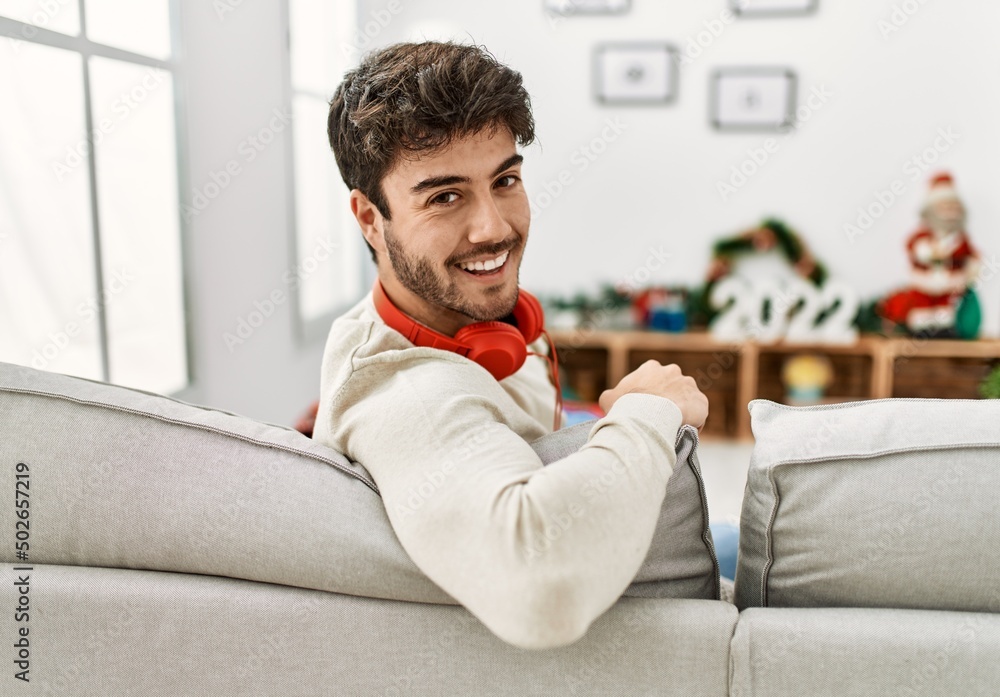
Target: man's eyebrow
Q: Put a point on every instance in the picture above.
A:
(508, 163)
(434, 182)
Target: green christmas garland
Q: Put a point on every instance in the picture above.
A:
(772, 234)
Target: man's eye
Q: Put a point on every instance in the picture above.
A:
(506, 181)
(445, 198)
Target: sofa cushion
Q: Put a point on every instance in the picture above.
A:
(889, 503)
(855, 652)
(128, 479)
(681, 561)
(107, 632)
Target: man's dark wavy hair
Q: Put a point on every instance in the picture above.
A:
(408, 97)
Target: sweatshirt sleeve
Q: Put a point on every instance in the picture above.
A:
(536, 553)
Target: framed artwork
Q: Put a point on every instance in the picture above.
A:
(635, 73)
(588, 7)
(753, 99)
(772, 8)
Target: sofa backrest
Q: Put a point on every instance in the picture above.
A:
(127, 479)
(889, 503)
(681, 562)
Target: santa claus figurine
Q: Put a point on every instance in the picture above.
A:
(941, 302)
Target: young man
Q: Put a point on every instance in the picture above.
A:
(426, 138)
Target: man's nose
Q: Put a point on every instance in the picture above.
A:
(488, 224)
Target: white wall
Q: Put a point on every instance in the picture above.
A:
(238, 248)
(656, 184)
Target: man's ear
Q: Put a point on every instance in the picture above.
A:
(369, 219)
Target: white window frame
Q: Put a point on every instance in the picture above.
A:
(315, 329)
(30, 33)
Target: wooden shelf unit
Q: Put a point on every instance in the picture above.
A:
(732, 374)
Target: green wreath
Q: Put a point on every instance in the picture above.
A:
(771, 234)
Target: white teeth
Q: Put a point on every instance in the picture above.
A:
(488, 265)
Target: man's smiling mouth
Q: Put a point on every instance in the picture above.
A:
(485, 267)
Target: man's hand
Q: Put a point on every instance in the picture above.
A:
(663, 381)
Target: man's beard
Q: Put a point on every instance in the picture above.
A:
(419, 277)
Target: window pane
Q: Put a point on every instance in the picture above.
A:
(323, 44)
(139, 219)
(141, 27)
(57, 15)
(47, 286)
(329, 269)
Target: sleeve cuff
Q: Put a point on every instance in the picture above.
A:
(664, 412)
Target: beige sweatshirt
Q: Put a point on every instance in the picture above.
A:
(536, 553)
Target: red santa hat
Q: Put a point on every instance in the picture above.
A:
(942, 189)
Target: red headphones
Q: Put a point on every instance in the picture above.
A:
(499, 347)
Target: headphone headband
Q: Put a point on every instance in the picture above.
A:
(499, 347)
(415, 332)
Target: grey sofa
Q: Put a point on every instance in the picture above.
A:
(171, 549)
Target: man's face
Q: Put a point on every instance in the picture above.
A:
(452, 208)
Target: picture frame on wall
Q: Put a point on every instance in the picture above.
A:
(753, 99)
(773, 8)
(588, 7)
(635, 73)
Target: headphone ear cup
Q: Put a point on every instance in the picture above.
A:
(529, 316)
(497, 346)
